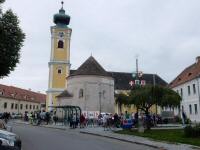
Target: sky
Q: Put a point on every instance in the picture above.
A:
(164, 35)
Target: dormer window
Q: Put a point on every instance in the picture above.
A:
(60, 44)
(179, 79)
(189, 74)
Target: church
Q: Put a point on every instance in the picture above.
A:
(90, 87)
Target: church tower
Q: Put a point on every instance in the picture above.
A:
(59, 64)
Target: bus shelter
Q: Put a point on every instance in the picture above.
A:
(69, 112)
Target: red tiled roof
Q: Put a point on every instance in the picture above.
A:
(21, 94)
(187, 74)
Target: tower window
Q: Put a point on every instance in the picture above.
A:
(60, 44)
(60, 71)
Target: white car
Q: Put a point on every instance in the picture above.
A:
(10, 139)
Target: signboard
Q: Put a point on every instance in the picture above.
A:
(91, 114)
(137, 82)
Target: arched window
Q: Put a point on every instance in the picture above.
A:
(60, 44)
(59, 70)
(80, 93)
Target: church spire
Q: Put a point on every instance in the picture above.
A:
(61, 19)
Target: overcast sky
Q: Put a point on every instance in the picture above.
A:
(165, 35)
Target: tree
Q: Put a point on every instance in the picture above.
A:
(144, 97)
(120, 99)
(11, 39)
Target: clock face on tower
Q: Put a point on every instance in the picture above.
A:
(61, 34)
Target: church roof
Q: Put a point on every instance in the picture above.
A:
(122, 80)
(65, 93)
(90, 67)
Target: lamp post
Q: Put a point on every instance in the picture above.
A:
(100, 102)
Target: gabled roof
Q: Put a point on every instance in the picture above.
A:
(21, 94)
(90, 67)
(122, 80)
(189, 73)
(65, 93)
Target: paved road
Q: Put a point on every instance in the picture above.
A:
(39, 138)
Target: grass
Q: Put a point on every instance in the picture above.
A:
(170, 135)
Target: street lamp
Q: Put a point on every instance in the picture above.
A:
(100, 93)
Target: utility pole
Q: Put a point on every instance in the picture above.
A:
(154, 84)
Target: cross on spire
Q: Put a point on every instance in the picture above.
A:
(62, 3)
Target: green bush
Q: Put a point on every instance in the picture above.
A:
(190, 131)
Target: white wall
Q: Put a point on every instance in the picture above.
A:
(92, 86)
(192, 99)
(11, 101)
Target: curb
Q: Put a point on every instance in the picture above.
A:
(40, 126)
(124, 140)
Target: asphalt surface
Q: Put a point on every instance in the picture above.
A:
(40, 138)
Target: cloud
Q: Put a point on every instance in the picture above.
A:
(165, 34)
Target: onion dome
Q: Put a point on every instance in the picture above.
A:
(61, 18)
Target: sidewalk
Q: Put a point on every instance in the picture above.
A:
(99, 131)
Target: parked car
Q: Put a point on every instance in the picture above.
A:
(10, 139)
(16, 116)
(1, 115)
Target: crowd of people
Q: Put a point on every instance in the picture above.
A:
(40, 117)
(106, 120)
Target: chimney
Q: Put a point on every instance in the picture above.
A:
(197, 59)
(29, 89)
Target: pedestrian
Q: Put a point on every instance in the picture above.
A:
(82, 121)
(74, 121)
(47, 117)
(184, 117)
(116, 120)
(105, 121)
(55, 118)
(154, 119)
(136, 118)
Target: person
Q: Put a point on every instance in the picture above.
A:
(74, 121)
(55, 118)
(105, 118)
(38, 118)
(136, 118)
(2, 125)
(127, 116)
(184, 117)
(31, 118)
(154, 119)
(82, 121)
(116, 119)
(47, 117)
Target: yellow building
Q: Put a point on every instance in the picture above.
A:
(59, 64)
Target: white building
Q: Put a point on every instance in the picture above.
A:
(187, 84)
(17, 100)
